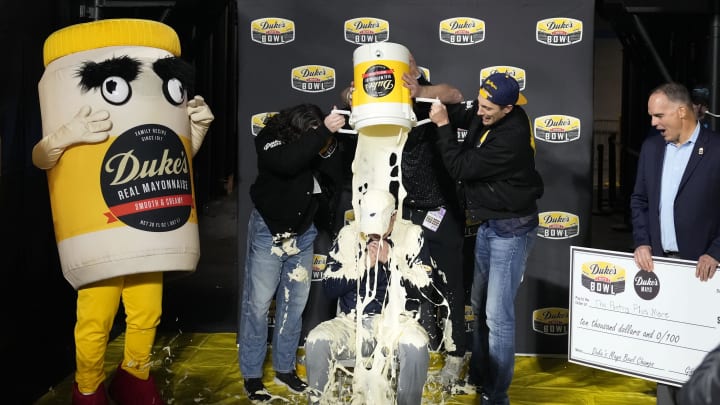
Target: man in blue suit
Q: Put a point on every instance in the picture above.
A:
(675, 211)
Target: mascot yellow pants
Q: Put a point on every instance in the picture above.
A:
(97, 305)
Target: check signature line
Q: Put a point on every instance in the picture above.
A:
(652, 317)
(623, 361)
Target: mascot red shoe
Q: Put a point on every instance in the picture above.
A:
(119, 134)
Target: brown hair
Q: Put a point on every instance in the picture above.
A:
(676, 93)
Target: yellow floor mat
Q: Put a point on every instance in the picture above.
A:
(202, 368)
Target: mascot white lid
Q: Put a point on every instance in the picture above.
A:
(118, 147)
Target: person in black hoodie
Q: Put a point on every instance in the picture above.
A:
(295, 145)
(431, 202)
(495, 166)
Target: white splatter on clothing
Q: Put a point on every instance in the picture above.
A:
(387, 334)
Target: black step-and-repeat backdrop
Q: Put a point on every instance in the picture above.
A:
(293, 52)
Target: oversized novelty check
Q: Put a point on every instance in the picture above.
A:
(653, 325)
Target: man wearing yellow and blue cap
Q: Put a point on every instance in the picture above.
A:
(499, 186)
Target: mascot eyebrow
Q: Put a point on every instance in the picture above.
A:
(93, 74)
(176, 68)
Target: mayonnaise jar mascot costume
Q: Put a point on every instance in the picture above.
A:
(118, 139)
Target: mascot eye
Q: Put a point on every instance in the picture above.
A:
(174, 91)
(116, 90)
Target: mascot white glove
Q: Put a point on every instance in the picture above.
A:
(82, 129)
(200, 119)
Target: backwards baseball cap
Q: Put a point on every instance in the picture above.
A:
(376, 209)
(502, 89)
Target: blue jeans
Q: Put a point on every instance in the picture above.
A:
(335, 340)
(282, 270)
(499, 267)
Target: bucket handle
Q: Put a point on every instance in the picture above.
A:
(417, 99)
(425, 100)
(343, 130)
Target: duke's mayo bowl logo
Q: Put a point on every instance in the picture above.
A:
(558, 225)
(257, 121)
(559, 31)
(469, 318)
(313, 78)
(462, 31)
(603, 277)
(551, 321)
(517, 73)
(272, 31)
(318, 267)
(366, 30)
(557, 128)
(425, 72)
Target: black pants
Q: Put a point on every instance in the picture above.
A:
(665, 394)
(445, 246)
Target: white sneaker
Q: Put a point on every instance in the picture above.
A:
(314, 396)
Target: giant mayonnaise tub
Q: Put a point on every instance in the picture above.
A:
(125, 205)
(379, 97)
(382, 114)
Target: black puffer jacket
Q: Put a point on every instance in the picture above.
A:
(283, 189)
(497, 179)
